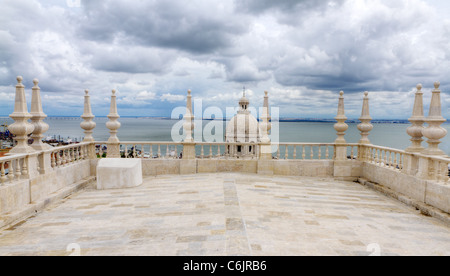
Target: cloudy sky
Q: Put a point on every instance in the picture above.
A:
(302, 51)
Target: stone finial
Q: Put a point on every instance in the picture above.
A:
(21, 127)
(365, 126)
(417, 120)
(88, 124)
(188, 119)
(434, 132)
(265, 124)
(37, 119)
(113, 125)
(341, 126)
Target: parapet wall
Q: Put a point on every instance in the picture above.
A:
(425, 191)
(24, 197)
(318, 168)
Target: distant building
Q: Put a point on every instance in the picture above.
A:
(243, 128)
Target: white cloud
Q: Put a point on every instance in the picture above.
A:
(145, 96)
(302, 52)
(172, 98)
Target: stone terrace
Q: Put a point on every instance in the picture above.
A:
(229, 214)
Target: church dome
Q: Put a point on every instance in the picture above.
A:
(243, 127)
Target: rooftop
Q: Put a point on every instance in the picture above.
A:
(229, 214)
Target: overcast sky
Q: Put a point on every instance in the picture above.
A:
(302, 52)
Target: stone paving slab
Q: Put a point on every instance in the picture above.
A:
(229, 214)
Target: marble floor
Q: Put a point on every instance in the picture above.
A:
(229, 214)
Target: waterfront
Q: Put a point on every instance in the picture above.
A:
(386, 134)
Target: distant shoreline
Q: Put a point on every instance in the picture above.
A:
(292, 120)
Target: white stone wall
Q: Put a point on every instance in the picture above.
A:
(319, 168)
(425, 191)
(17, 195)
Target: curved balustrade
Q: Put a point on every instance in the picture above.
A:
(65, 155)
(13, 168)
(438, 168)
(385, 157)
(227, 150)
(144, 150)
(304, 151)
(394, 159)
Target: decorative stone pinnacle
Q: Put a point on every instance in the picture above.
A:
(417, 120)
(113, 125)
(341, 126)
(265, 124)
(365, 127)
(88, 124)
(21, 127)
(434, 132)
(37, 119)
(188, 119)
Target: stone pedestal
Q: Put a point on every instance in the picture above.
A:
(265, 152)
(188, 151)
(119, 173)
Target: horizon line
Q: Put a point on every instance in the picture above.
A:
(166, 117)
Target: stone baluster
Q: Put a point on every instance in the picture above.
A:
(21, 127)
(417, 120)
(37, 119)
(434, 132)
(365, 126)
(188, 143)
(341, 126)
(113, 125)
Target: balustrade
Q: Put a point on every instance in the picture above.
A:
(13, 168)
(224, 150)
(304, 151)
(65, 155)
(385, 157)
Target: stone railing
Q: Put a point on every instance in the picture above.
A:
(313, 151)
(206, 150)
(13, 168)
(425, 167)
(304, 151)
(144, 150)
(66, 155)
(19, 166)
(383, 156)
(438, 169)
